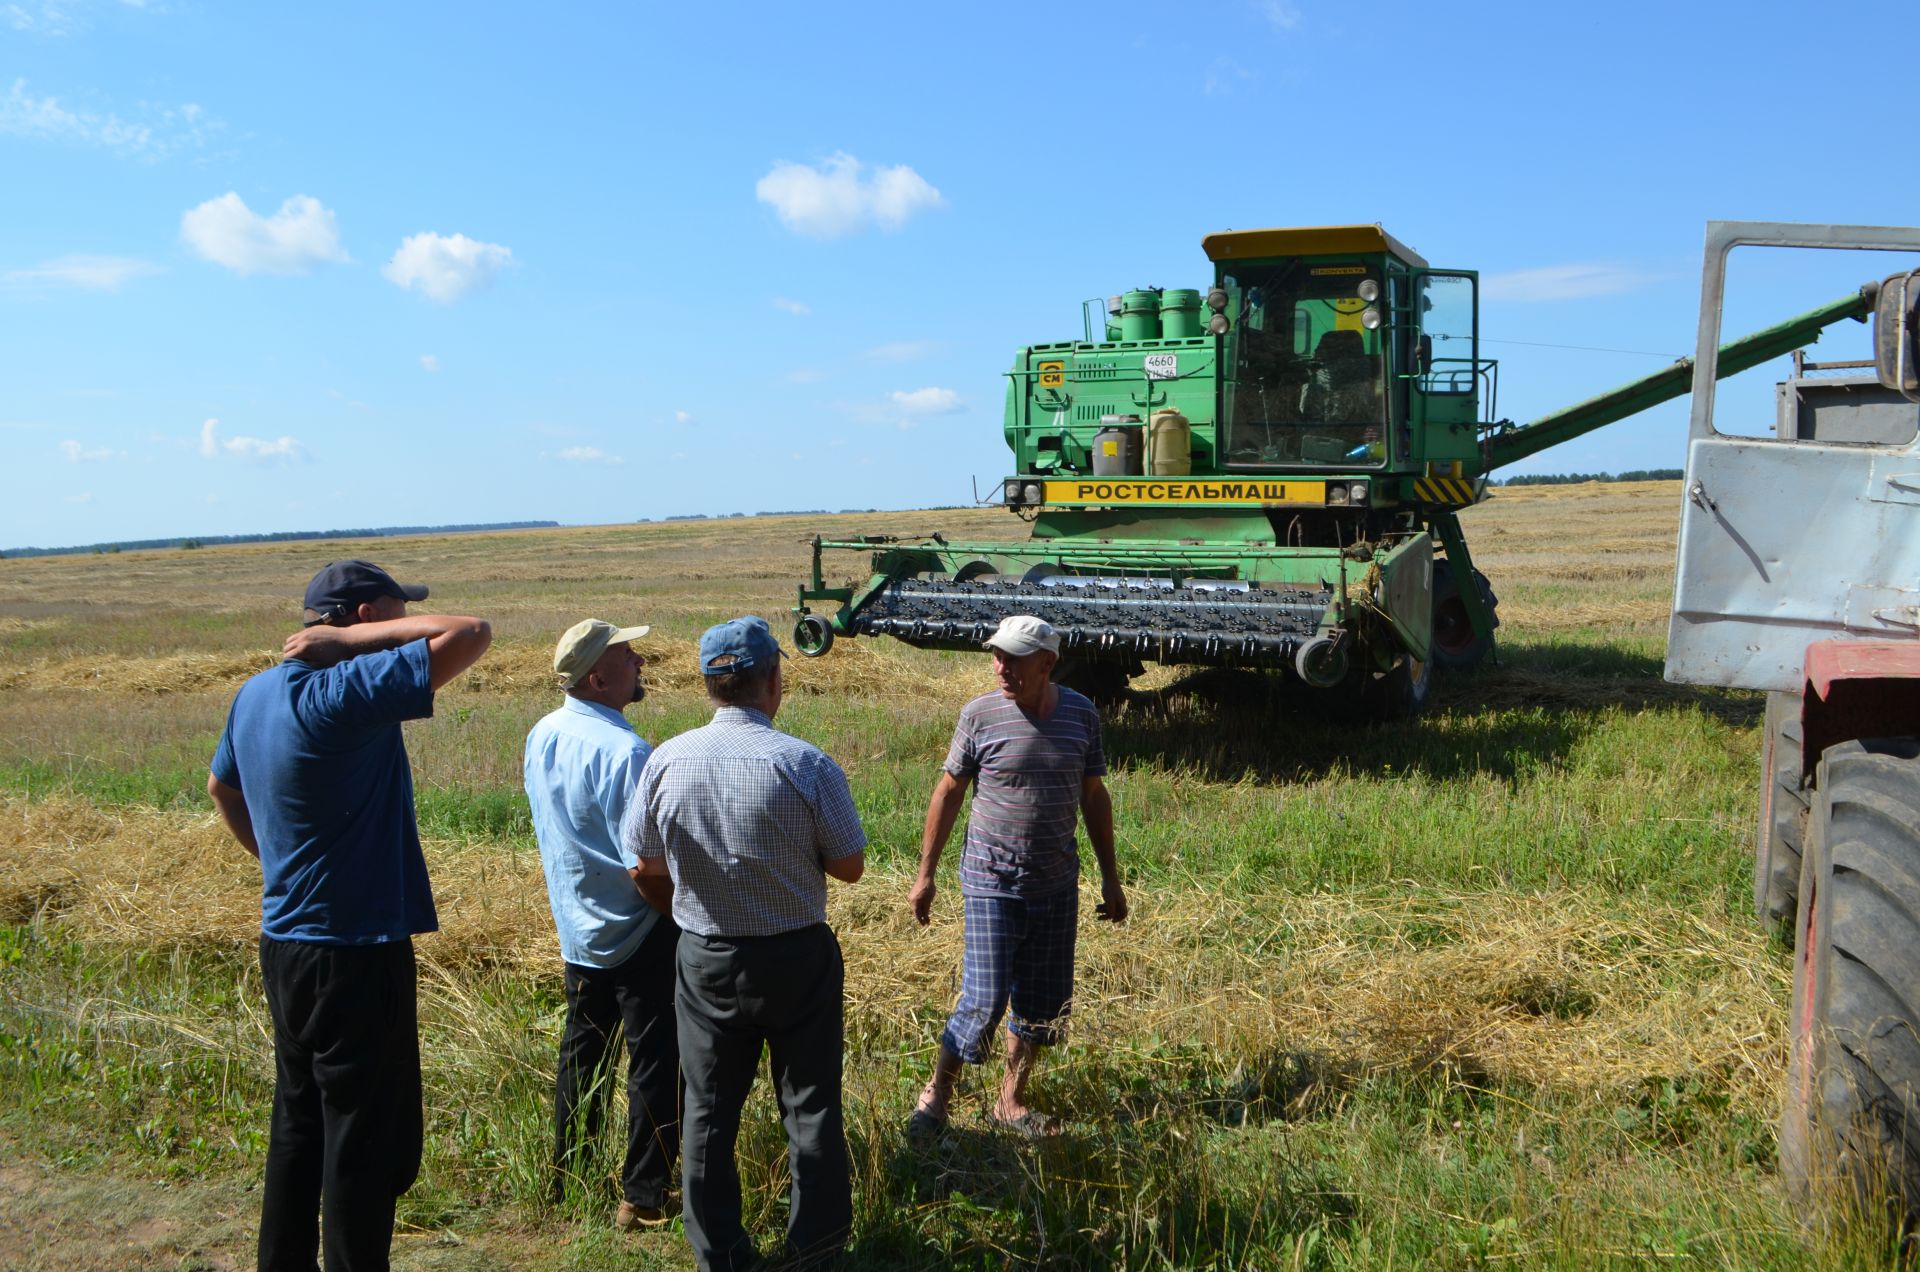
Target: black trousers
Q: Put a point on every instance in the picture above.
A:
(345, 1138)
(639, 995)
(737, 995)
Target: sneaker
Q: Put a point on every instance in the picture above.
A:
(629, 1216)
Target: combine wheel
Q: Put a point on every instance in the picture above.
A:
(1783, 815)
(1398, 694)
(1454, 644)
(1365, 695)
(1850, 1131)
(813, 635)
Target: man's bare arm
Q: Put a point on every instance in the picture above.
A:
(232, 807)
(1096, 807)
(847, 869)
(943, 809)
(655, 883)
(454, 643)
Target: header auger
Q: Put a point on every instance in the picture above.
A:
(1254, 475)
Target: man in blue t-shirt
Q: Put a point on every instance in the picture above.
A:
(581, 764)
(1032, 753)
(311, 777)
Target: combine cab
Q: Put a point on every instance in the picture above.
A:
(1263, 474)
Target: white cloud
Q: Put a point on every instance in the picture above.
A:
(429, 363)
(81, 498)
(929, 401)
(1281, 15)
(158, 132)
(589, 455)
(54, 17)
(1563, 282)
(97, 273)
(293, 240)
(804, 375)
(260, 448)
(445, 266)
(79, 454)
(798, 308)
(842, 196)
(682, 417)
(1223, 77)
(243, 447)
(900, 351)
(904, 409)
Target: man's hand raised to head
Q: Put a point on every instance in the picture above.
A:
(319, 646)
(454, 643)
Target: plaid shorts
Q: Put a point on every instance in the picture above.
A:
(1018, 949)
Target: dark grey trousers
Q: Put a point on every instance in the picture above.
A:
(737, 995)
(639, 994)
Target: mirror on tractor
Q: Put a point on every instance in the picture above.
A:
(1896, 333)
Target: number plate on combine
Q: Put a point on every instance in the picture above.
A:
(1250, 493)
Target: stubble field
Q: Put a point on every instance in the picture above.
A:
(1483, 988)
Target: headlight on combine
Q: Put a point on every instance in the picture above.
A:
(1369, 290)
(1347, 494)
(1020, 494)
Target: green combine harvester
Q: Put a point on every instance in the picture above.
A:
(1265, 474)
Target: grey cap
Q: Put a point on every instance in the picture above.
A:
(1021, 634)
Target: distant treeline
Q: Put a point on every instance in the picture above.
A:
(283, 536)
(780, 512)
(1574, 479)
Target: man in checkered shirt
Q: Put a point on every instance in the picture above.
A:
(1032, 752)
(736, 827)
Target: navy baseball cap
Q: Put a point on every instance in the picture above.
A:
(736, 645)
(340, 586)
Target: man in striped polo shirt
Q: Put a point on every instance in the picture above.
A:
(1032, 752)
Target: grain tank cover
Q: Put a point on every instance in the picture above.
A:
(1311, 240)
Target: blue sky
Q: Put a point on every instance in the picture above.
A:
(269, 267)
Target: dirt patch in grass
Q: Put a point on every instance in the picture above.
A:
(51, 1219)
(59, 1220)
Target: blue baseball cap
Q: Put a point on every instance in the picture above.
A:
(341, 586)
(736, 645)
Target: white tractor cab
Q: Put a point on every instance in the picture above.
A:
(1799, 573)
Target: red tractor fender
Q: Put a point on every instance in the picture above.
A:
(1858, 689)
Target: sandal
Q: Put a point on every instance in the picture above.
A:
(922, 1125)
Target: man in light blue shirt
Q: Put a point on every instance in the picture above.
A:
(582, 762)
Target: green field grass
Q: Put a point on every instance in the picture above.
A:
(1478, 989)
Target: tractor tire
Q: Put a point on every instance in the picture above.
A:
(1455, 646)
(1850, 1129)
(1783, 816)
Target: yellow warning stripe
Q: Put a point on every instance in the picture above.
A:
(1443, 490)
